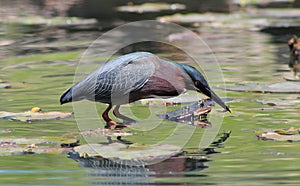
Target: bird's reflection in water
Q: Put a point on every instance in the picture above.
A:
(109, 172)
(186, 164)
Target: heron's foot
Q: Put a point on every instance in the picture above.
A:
(126, 142)
(119, 127)
(110, 123)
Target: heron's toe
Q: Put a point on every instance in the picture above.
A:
(120, 126)
(110, 124)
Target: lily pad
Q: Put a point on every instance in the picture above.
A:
(264, 19)
(6, 131)
(6, 42)
(18, 150)
(50, 144)
(5, 84)
(290, 77)
(279, 102)
(151, 7)
(39, 20)
(135, 154)
(217, 20)
(183, 36)
(291, 135)
(34, 115)
(289, 131)
(282, 87)
(46, 140)
(105, 132)
(189, 18)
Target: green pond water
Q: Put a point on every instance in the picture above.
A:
(40, 66)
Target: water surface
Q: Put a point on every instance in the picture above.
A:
(40, 74)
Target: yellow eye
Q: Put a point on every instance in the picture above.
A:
(197, 82)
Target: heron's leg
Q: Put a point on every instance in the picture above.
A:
(109, 122)
(125, 119)
(295, 70)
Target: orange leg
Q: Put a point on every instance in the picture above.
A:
(109, 122)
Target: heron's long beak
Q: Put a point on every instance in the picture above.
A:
(215, 97)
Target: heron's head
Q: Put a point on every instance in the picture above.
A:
(201, 85)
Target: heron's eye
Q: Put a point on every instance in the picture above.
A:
(197, 82)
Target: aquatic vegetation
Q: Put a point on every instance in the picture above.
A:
(151, 7)
(105, 132)
(281, 87)
(4, 84)
(133, 154)
(34, 115)
(55, 21)
(290, 135)
(47, 144)
(257, 57)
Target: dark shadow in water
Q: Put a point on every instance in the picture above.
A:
(112, 173)
(108, 172)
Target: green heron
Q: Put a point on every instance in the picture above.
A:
(294, 64)
(136, 76)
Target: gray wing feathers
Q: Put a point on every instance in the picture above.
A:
(125, 77)
(118, 77)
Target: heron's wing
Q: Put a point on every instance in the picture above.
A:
(128, 75)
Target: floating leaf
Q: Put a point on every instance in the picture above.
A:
(55, 21)
(289, 131)
(291, 135)
(189, 18)
(282, 87)
(46, 140)
(105, 132)
(5, 84)
(6, 42)
(129, 153)
(290, 77)
(6, 115)
(6, 131)
(279, 102)
(13, 148)
(19, 150)
(50, 144)
(35, 114)
(265, 19)
(150, 7)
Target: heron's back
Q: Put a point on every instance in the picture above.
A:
(115, 78)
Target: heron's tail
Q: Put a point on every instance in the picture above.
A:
(66, 97)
